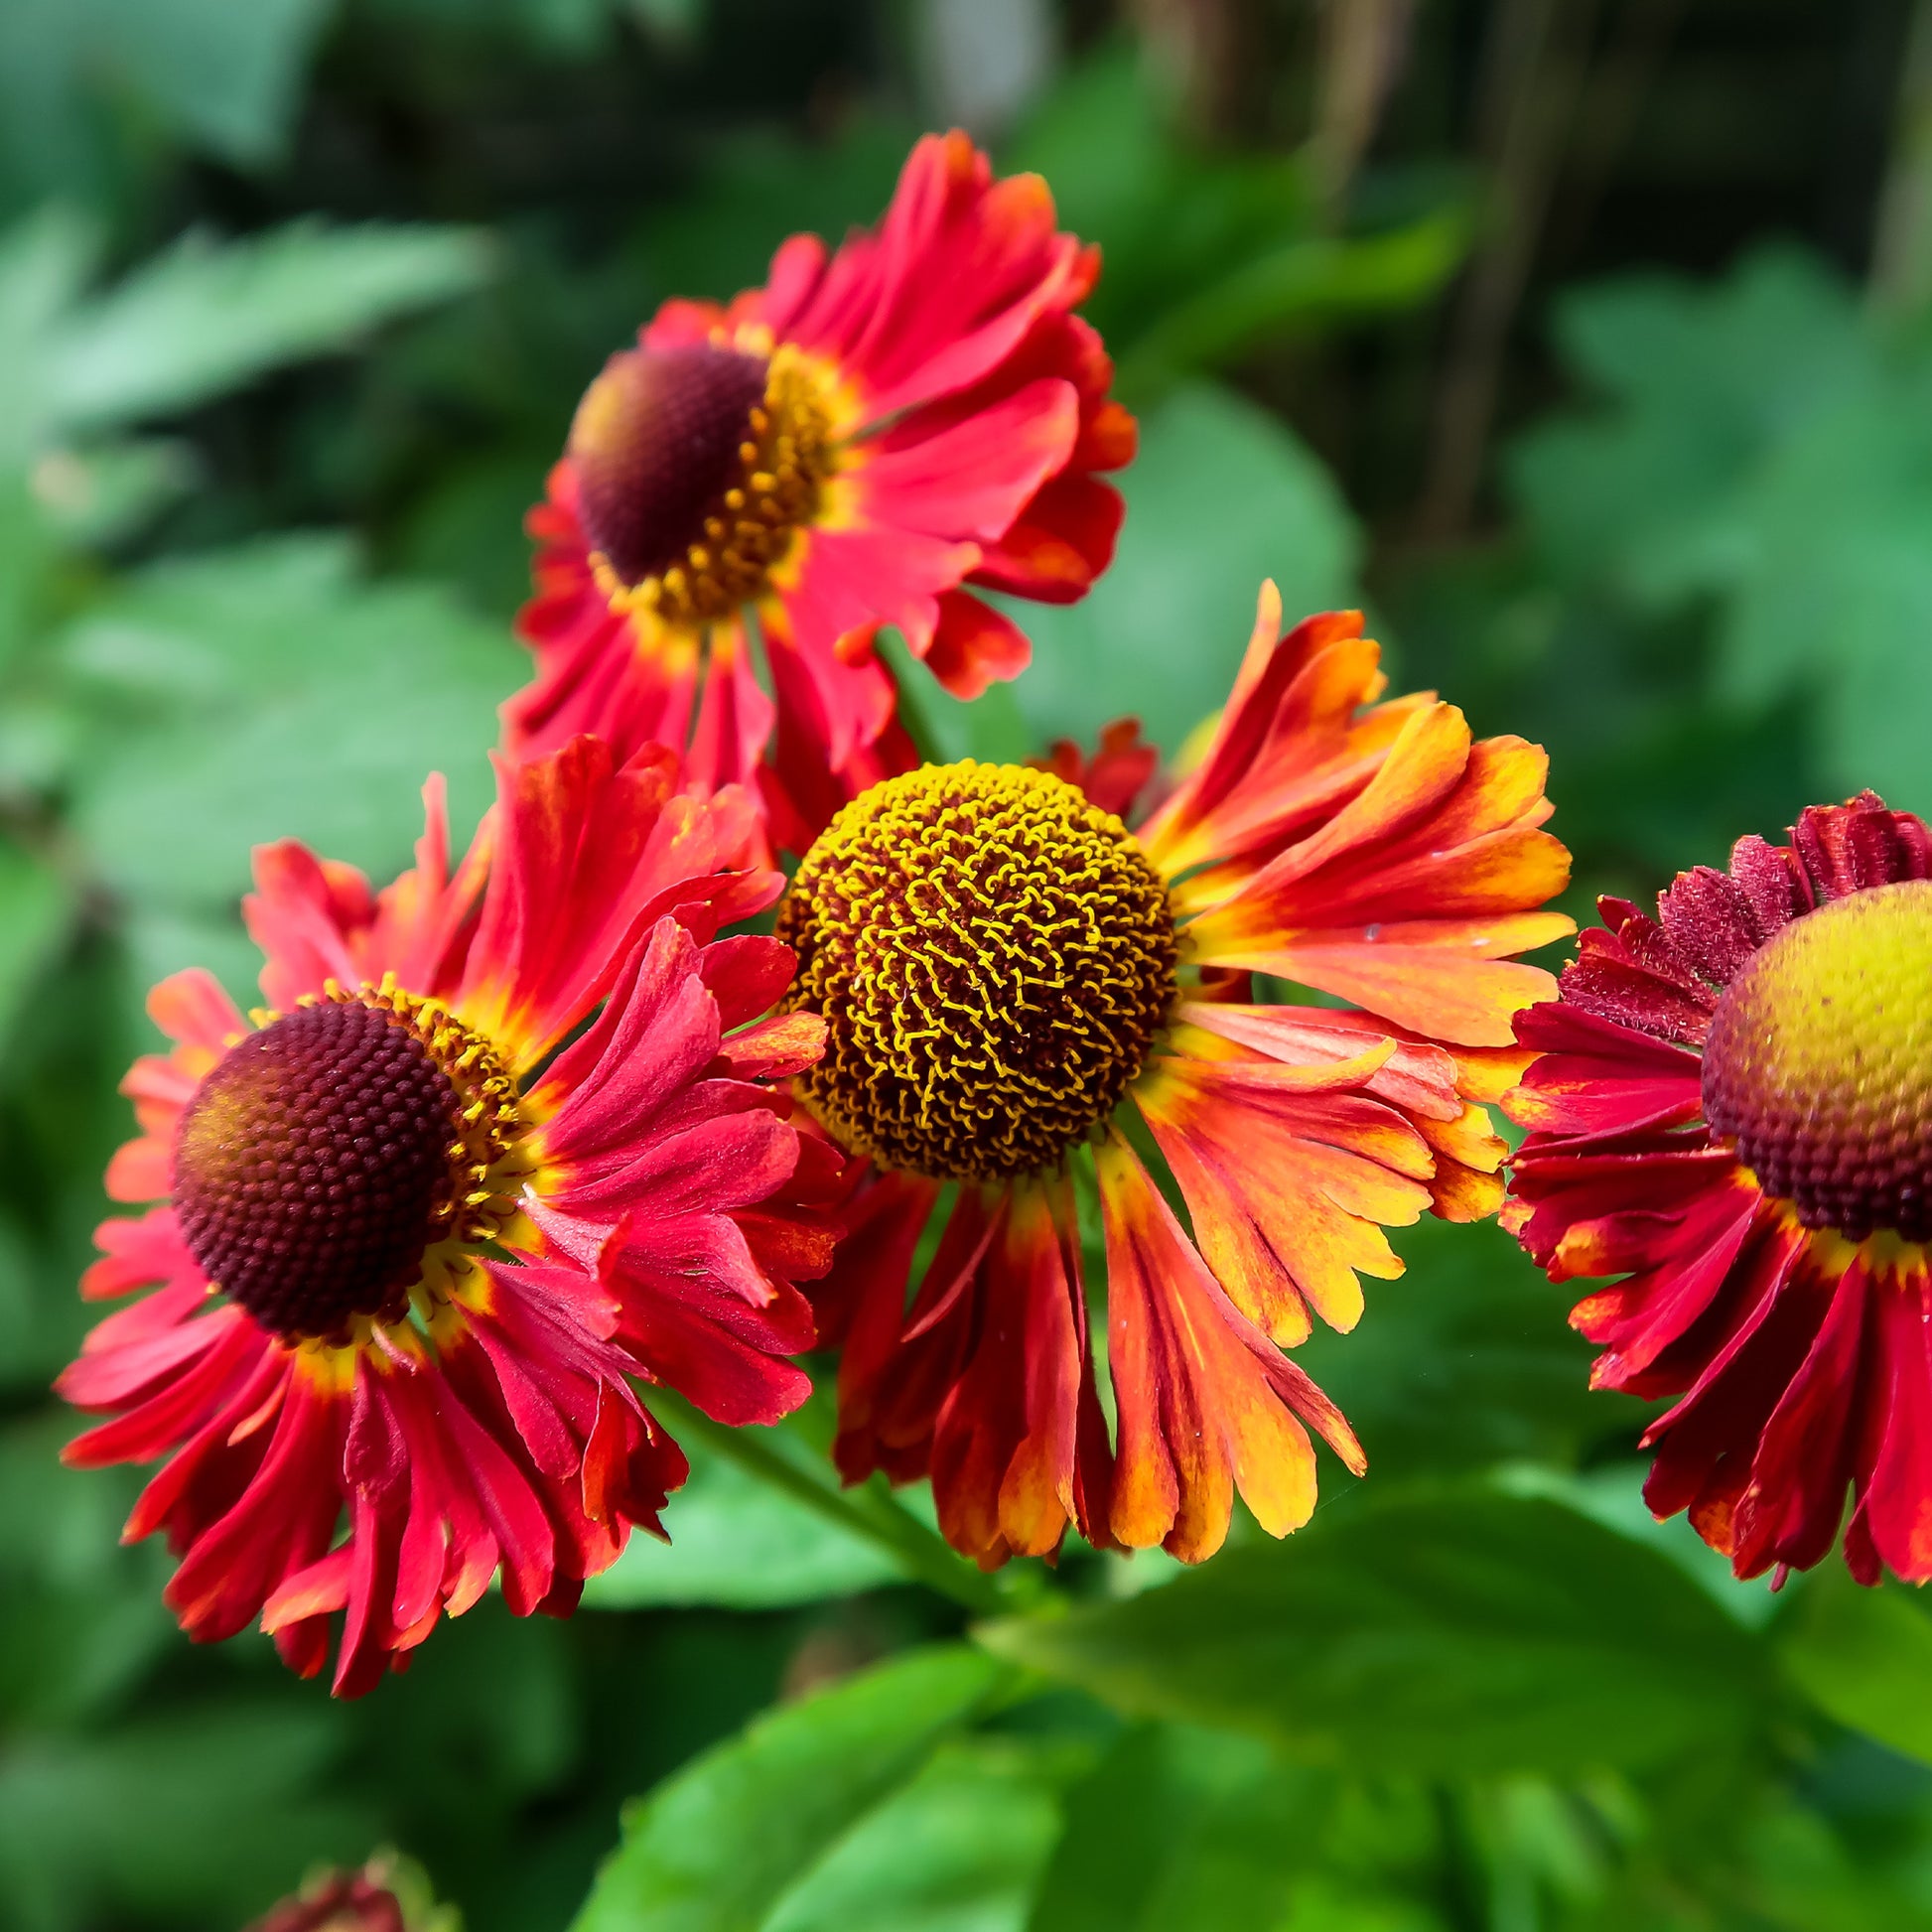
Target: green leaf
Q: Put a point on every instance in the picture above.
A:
(1320, 1905)
(1697, 385)
(718, 1845)
(1863, 1656)
(737, 1542)
(1179, 1830)
(1454, 1631)
(268, 692)
(81, 1619)
(1763, 447)
(45, 260)
(207, 316)
(959, 1850)
(226, 75)
(1833, 597)
(99, 496)
(1611, 1493)
(223, 76)
(1220, 496)
(1293, 288)
(190, 324)
(93, 1830)
(1207, 254)
(36, 906)
(1465, 1360)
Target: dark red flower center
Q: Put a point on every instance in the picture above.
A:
(321, 1157)
(1818, 1063)
(694, 465)
(655, 441)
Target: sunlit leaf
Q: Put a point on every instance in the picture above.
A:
(718, 1846)
(958, 1849)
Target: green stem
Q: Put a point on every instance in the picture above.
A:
(870, 1512)
(911, 713)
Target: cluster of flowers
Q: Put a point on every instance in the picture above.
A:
(519, 1137)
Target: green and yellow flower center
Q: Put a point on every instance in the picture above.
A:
(992, 957)
(695, 467)
(325, 1156)
(1818, 1065)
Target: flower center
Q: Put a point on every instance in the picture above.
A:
(1818, 1063)
(694, 466)
(322, 1156)
(993, 956)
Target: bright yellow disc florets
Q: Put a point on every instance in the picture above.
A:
(1818, 1065)
(993, 956)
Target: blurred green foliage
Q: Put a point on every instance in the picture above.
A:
(1758, 452)
(295, 300)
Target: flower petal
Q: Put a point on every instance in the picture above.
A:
(1204, 1403)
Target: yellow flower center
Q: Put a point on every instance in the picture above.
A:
(992, 957)
(324, 1155)
(695, 467)
(1818, 1063)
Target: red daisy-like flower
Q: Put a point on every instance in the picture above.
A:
(1732, 1113)
(845, 448)
(1015, 984)
(418, 1232)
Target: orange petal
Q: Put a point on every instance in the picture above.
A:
(1288, 1195)
(1444, 984)
(1206, 1405)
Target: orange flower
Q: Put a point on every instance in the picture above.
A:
(1014, 982)
(846, 448)
(1732, 1116)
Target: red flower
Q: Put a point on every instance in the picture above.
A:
(1733, 1115)
(1014, 983)
(840, 450)
(346, 1901)
(418, 1231)
(352, 1902)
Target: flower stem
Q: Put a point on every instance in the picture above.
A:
(870, 1511)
